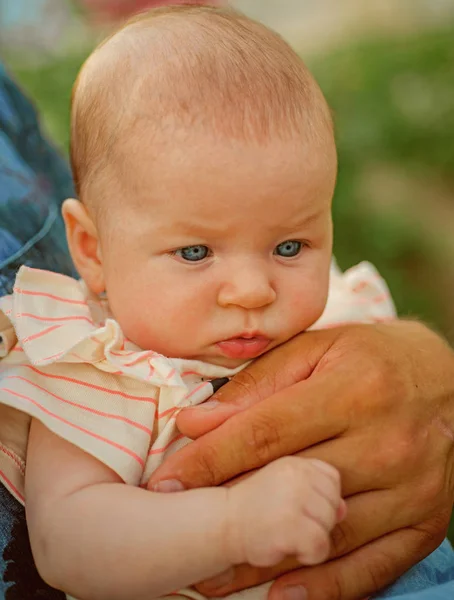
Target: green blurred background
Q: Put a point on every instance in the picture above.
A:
(389, 78)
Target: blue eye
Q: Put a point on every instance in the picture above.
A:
(193, 253)
(288, 249)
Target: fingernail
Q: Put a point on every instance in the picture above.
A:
(219, 581)
(294, 592)
(325, 466)
(210, 405)
(167, 486)
(341, 511)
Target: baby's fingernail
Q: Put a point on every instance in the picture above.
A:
(325, 466)
(210, 405)
(219, 581)
(294, 592)
(167, 486)
(341, 511)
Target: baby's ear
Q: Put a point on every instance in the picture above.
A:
(83, 242)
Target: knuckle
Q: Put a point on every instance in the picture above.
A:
(264, 438)
(434, 530)
(397, 449)
(381, 572)
(432, 488)
(247, 384)
(209, 465)
(381, 382)
(342, 539)
(335, 588)
(377, 378)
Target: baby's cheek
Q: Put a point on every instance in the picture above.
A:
(308, 305)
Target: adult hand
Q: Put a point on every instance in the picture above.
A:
(375, 401)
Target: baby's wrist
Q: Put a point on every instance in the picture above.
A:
(232, 528)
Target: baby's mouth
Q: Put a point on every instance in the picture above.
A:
(245, 346)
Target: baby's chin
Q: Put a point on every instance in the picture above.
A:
(222, 361)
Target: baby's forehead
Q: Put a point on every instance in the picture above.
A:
(205, 64)
(174, 73)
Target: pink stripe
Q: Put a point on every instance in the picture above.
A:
(360, 286)
(185, 373)
(41, 333)
(99, 413)
(82, 429)
(171, 374)
(13, 489)
(195, 390)
(13, 457)
(151, 373)
(52, 296)
(143, 355)
(54, 356)
(50, 319)
(161, 450)
(381, 298)
(167, 412)
(93, 386)
(123, 354)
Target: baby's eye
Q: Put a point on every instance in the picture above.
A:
(193, 253)
(288, 249)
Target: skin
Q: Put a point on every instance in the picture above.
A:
(213, 528)
(389, 431)
(276, 192)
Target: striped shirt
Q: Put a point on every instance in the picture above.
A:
(65, 361)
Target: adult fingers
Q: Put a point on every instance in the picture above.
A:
(276, 370)
(353, 576)
(268, 430)
(363, 572)
(360, 526)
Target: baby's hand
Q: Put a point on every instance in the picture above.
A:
(287, 508)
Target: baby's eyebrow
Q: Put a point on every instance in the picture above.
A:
(301, 221)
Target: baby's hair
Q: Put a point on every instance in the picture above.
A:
(183, 68)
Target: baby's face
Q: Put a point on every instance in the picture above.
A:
(218, 250)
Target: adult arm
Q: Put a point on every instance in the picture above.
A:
(377, 402)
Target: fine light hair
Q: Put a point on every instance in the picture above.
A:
(184, 68)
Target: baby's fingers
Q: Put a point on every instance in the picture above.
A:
(325, 481)
(323, 511)
(313, 543)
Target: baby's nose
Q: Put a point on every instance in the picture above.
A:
(247, 288)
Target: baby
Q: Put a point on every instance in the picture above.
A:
(204, 158)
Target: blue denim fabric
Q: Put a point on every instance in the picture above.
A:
(431, 578)
(19, 579)
(34, 180)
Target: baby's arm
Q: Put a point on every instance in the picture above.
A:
(95, 537)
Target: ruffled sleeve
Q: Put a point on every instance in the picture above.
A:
(359, 295)
(72, 368)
